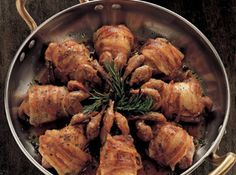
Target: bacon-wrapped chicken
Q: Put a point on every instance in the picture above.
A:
(119, 157)
(64, 150)
(72, 62)
(182, 99)
(113, 43)
(171, 146)
(162, 56)
(47, 103)
(158, 56)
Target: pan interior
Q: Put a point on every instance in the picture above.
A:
(145, 21)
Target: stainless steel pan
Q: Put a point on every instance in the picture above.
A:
(145, 20)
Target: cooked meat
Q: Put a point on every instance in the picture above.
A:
(113, 43)
(82, 117)
(48, 103)
(108, 121)
(67, 150)
(162, 56)
(144, 131)
(154, 84)
(133, 63)
(119, 157)
(150, 116)
(64, 149)
(44, 104)
(74, 85)
(93, 127)
(153, 93)
(141, 75)
(172, 145)
(184, 99)
(72, 102)
(122, 123)
(72, 62)
(85, 72)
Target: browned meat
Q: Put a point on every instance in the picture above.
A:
(141, 75)
(172, 145)
(158, 56)
(144, 131)
(122, 123)
(108, 121)
(72, 62)
(64, 150)
(48, 103)
(119, 157)
(153, 93)
(93, 127)
(81, 117)
(184, 99)
(162, 56)
(113, 43)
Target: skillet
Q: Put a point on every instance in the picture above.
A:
(145, 20)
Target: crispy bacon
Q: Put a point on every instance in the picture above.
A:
(172, 145)
(72, 62)
(47, 103)
(64, 149)
(119, 157)
(183, 99)
(113, 43)
(162, 56)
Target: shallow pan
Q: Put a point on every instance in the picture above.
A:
(145, 20)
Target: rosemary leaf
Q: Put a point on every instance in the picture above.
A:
(93, 107)
(120, 93)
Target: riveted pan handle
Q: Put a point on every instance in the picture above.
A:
(223, 163)
(20, 5)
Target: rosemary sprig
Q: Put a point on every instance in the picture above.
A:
(93, 107)
(120, 93)
(99, 99)
(117, 86)
(135, 104)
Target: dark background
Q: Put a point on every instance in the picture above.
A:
(215, 18)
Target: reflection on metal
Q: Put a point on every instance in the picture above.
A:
(31, 44)
(223, 163)
(20, 5)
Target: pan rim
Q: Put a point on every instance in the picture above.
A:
(214, 144)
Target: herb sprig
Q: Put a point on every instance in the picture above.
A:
(120, 93)
(99, 99)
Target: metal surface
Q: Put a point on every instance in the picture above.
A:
(80, 21)
(20, 5)
(223, 163)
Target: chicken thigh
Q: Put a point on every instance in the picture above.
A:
(72, 62)
(113, 43)
(171, 146)
(47, 103)
(64, 149)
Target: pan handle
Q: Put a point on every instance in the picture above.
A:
(20, 5)
(223, 163)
